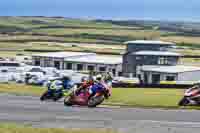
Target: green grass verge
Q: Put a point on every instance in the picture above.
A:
(134, 97)
(13, 128)
(21, 89)
(146, 97)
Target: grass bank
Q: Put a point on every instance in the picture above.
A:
(21, 89)
(13, 128)
(146, 97)
(134, 97)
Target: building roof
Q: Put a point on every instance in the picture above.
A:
(63, 54)
(97, 59)
(149, 42)
(169, 69)
(8, 61)
(156, 53)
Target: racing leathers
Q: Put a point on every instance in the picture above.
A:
(97, 87)
(60, 86)
(84, 86)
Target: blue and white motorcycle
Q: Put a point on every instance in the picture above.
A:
(55, 91)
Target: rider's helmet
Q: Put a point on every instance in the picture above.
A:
(98, 77)
(84, 79)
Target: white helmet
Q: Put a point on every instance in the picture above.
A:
(98, 77)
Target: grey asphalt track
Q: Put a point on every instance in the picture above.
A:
(29, 110)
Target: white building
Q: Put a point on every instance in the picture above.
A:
(55, 59)
(153, 74)
(97, 63)
(79, 61)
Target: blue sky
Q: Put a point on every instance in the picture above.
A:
(116, 9)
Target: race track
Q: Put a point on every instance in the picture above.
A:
(29, 110)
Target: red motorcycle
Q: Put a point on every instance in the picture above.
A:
(84, 98)
(191, 97)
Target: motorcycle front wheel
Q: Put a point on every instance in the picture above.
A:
(67, 101)
(183, 102)
(44, 96)
(94, 101)
(57, 97)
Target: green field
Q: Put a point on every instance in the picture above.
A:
(13, 128)
(30, 35)
(21, 89)
(146, 97)
(17, 33)
(135, 97)
(8, 49)
(27, 29)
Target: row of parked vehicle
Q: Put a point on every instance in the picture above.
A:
(33, 75)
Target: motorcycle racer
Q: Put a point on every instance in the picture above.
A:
(90, 93)
(98, 86)
(85, 83)
(61, 85)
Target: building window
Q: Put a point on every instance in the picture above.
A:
(138, 58)
(79, 67)
(113, 71)
(156, 78)
(47, 63)
(102, 69)
(161, 61)
(37, 62)
(166, 61)
(57, 64)
(69, 66)
(4, 71)
(170, 78)
(91, 68)
(120, 74)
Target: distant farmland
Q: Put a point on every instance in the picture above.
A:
(30, 34)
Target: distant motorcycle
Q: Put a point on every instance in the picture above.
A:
(84, 98)
(191, 97)
(54, 94)
(49, 95)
